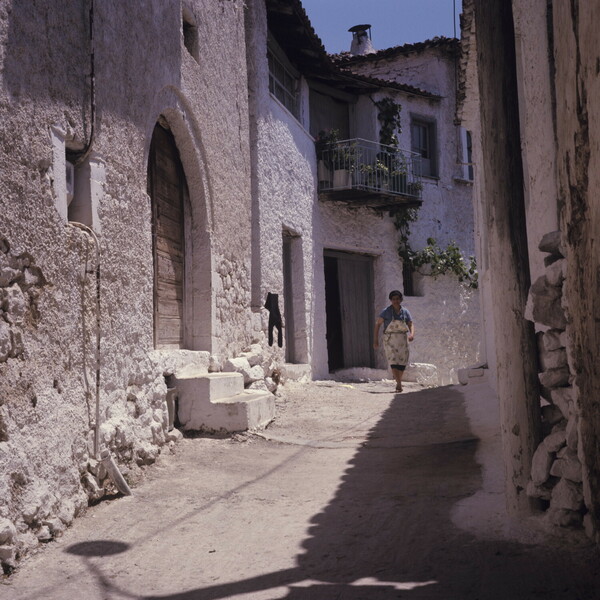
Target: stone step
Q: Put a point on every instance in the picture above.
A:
(209, 385)
(218, 401)
(296, 372)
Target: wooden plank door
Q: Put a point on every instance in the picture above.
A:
(167, 188)
(349, 306)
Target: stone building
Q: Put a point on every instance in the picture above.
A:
(161, 208)
(447, 312)
(530, 74)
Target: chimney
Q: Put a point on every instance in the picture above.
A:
(361, 40)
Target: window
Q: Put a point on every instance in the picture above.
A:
(190, 33)
(423, 142)
(283, 84)
(412, 281)
(467, 154)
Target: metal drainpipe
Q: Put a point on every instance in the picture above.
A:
(78, 158)
(103, 456)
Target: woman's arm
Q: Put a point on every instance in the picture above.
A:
(378, 324)
(411, 331)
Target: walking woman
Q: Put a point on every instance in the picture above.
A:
(398, 330)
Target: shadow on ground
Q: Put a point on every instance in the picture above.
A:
(387, 533)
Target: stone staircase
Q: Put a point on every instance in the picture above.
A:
(218, 401)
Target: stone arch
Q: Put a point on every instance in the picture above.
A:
(171, 111)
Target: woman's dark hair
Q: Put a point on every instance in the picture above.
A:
(396, 293)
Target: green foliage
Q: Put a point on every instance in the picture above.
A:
(434, 261)
(334, 154)
(389, 117)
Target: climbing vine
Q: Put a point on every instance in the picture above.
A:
(389, 117)
(433, 260)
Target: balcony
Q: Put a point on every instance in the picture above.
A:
(365, 173)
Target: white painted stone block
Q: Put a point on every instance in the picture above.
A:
(295, 372)
(218, 401)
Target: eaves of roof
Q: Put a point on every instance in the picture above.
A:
(291, 28)
(450, 45)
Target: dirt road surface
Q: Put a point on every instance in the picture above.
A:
(353, 492)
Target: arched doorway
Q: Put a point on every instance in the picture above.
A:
(168, 192)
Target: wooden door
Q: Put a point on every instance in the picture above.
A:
(167, 189)
(349, 307)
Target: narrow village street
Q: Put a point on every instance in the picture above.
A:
(353, 492)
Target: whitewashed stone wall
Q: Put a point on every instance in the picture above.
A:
(47, 279)
(284, 195)
(358, 230)
(447, 315)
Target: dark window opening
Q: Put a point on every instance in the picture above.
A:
(412, 281)
(423, 142)
(469, 143)
(407, 278)
(190, 35)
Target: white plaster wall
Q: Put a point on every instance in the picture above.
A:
(142, 70)
(358, 230)
(447, 326)
(284, 193)
(537, 129)
(426, 69)
(469, 115)
(447, 316)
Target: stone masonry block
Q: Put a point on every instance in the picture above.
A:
(567, 465)
(553, 378)
(567, 495)
(553, 339)
(555, 441)
(552, 244)
(540, 465)
(553, 359)
(563, 398)
(544, 304)
(551, 414)
(555, 273)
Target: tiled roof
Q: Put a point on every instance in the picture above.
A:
(291, 27)
(447, 44)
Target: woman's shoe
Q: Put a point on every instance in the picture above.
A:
(399, 387)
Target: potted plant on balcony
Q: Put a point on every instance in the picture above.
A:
(414, 188)
(324, 143)
(375, 175)
(337, 161)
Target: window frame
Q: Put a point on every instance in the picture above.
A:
(290, 97)
(430, 126)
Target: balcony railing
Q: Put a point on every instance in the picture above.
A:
(374, 172)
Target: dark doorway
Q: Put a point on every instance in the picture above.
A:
(288, 297)
(167, 189)
(349, 309)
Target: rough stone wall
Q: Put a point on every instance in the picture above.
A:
(47, 268)
(556, 471)
(574, 471)
(556, 50)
